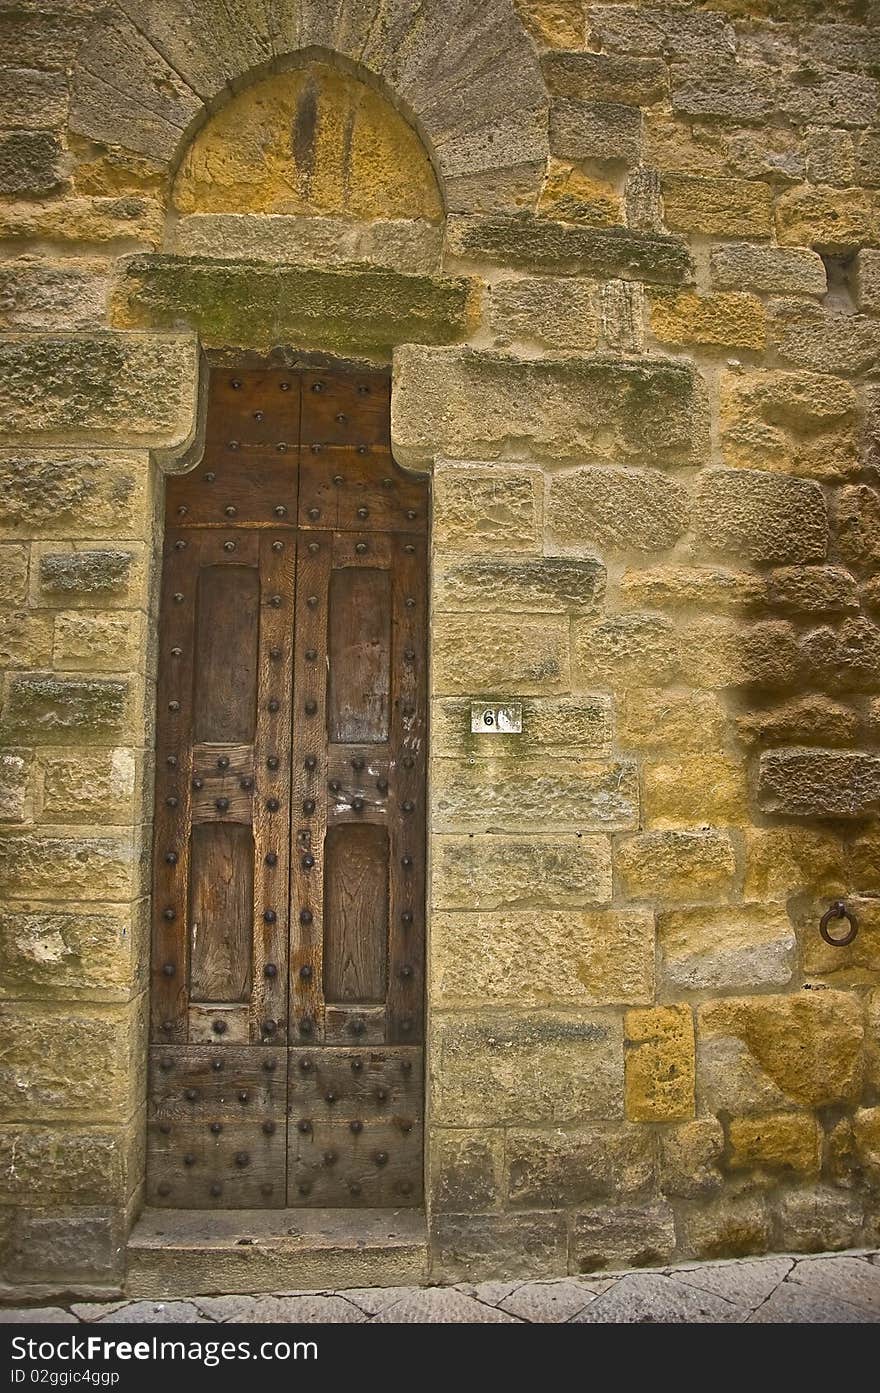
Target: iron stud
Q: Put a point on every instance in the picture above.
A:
(270, 970)
(242, 1159)
(308, 861)
(409, 548)
(363, 512)
(223, 762)
(171, 858)
(219, 1026)
(169, 913)
(285, 386)
(269, 1127)
(216, 1128)
(180, 544)
(281, 447)
(317, 386)
(357, 764)
(229, 546)
(271, 858)
(356, 1126)
(244, 1096)
(411, 514)
(272, 762)
(163, 1188)
(216, 1065)
(361, 548)
(314, 514)
(406, 1066)
(341, 418)
(274, 704)
(357, 1026)
(406, 1025)
(176, 652)
(314, 548)
(197, 783)
(405, 1187)
(269, 1027)
(330, 1158)
(357, 1065)
(382, 1095)
(357, 805)
(166, 1063)
(182, 510)
(408, 805)
(304, 1125)
(178, 597)
(210, 477)
(270, 1065)
(306, 972)
(387, 483)
(381, 1158)
(311, 707)
(312, 601)
(174, 706)
(354, 1188)
(306, 1065)
(230, 510)
(305, 916)
(269, 916)
(171, 801)
(277, 546)
(168, 969)
(235, 383)
(409, 655)
(410, 602)
(222, 805)
(216, 1190)
(258, 415)
(165, 1129)
(405, 972)
(246, 783)
(191, 1094)
(406, 917)
(382, 785)
(275, 654)
(408, 761)
(306, 1026)
(275, 601)
(334, 785)
(308, 805)
(316, 450)
(362, 449)
(338, 479)
(273, 805)
(311, 654)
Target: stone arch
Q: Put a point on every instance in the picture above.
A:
(151, 71)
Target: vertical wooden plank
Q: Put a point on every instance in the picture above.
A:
(224, 698)
(359, 653)
(221, 896)
(355, 954)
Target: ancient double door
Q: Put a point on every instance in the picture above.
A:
(285, 1064)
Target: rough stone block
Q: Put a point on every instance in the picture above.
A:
(564, 872)
(825, 340)
(604, 77)
(677, 865)
(619, 509)
(560, 313)
(699, 587)
(820, 1220)
(766, 517)
(466, 1170)
(65, 1063)
(624, 650)
(570, 195)
(107, 640)
(526, 1069)
(833, 220)
(857, 525)
(32, 100)
(540, 958)
(534, 794)
(14, 562)
(866, 1133)
(805, 1048)
(622, 310)
(75, 220)
(16, 801)
(73, 1165)
(578, 726)
(38, 864)
(399, 244)
(719, 88)
(622, 1236)
(812, 720)
(794, 423)
(728, 1227)
(553, 23)
(783, 861)
(551, 584)
(868, 281)
(56, 710)
(718, 207)
(492, 508)
(48, 950)
(655, 719)
(31, 163)
(469, 405)
(127, 389)
(37, 293)
(67, 1249)
(468, 1247)
(595, 130)
(25, 639)
(696, 790)
(767, 270)
(487, 653)
(73, 494)
(538, 244)
(302, 305)
(89, 786)
(689, 1156)
(819, 783)
(660, 1065)
(719, 652)
(73, 575)
(812, 589)
(855, 964)
(721, 151)
(669, 31)
(565, 1167)
(727, 319)
(786, 1143)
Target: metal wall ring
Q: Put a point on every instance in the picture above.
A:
(838, 910)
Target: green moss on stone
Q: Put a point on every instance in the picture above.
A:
(44, 709)
(538, 244)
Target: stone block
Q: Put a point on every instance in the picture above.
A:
(837, 221)
(45, 1165)
(766, 517)
(624, 650)
(565, 872)
(76, 220)
(569, 195)
(537, 795)
(670, 31)
(811, 720)
(784, 861)
(694, 791)
(857, 525)
(42, 294)
(399, 244)
(644, 201)
(491, 508)
(726, 319)
(538, 244)
(16, 800)
(622, 312)
(109, 640)
(622, 1236)
(73, 494)
(785, 1144)
(14, 562)
(74, 575)
(469, 1247)
(831, 156)
(560, 313)
(794, 423)
(94, 952)
(593, 130)
(26, 639)
(469, 405)
(656, 719)
(767, 270)
(558, 958)
(305, 306)
(127, 389)
(689, 1156)
(820, 1220)
(89, 786)
(825, 340)
(855, 964)
(38, 864)
(466, 1170)
(675, 865)
(722, 89)
(812, 589)
(698, 587)
(848, 654)
(553, 23)
(67, 1249)
(526, 1069)
(31, 163)
(868, 281)
(718, 652)
(32, 100)
(616, 509)
(721, 151)
(487, 653)
(605, 77)
(572, 1166)
(580, 726)
(804, 1048)
(660, 1066)
(819, 783)
(549, 584)
(866, 1134)
(718, 207)
(65, 1063)
(728, 1227)
(56, 710)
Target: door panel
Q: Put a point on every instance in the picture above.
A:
(290, 805)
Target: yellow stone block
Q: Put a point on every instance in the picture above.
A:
(660, 1065)
(680, 865)
(494, 652)
(784, 861)
(655, 719)
(703, 587)
(866, 1133)
(554, 23)
(480, 509)
(708, 789)
(786, 1142)
(570, 195)
(793, 422)
(730, 319)
(717, 207)
(828, 217)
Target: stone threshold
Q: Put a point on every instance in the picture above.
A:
(195, 1252)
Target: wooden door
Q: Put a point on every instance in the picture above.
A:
(288, 947)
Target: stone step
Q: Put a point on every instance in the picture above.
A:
(191, 1252)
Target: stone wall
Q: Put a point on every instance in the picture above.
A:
(641, 355)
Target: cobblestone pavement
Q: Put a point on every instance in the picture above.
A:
(829, 1288)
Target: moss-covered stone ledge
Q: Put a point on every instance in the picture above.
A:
(465, 404)
(105, 388)
(357, 308)
(539, 244)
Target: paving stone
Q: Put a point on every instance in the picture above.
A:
(652, 1298)
(492, 1293)
(440, 1305)
(372, 1300)
(95, 1310)
(848, 1279)
(304, 1308)
(743, 1283)
(153, 1313)
(551, 1302)
(41, 1315)
(792, 1304)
